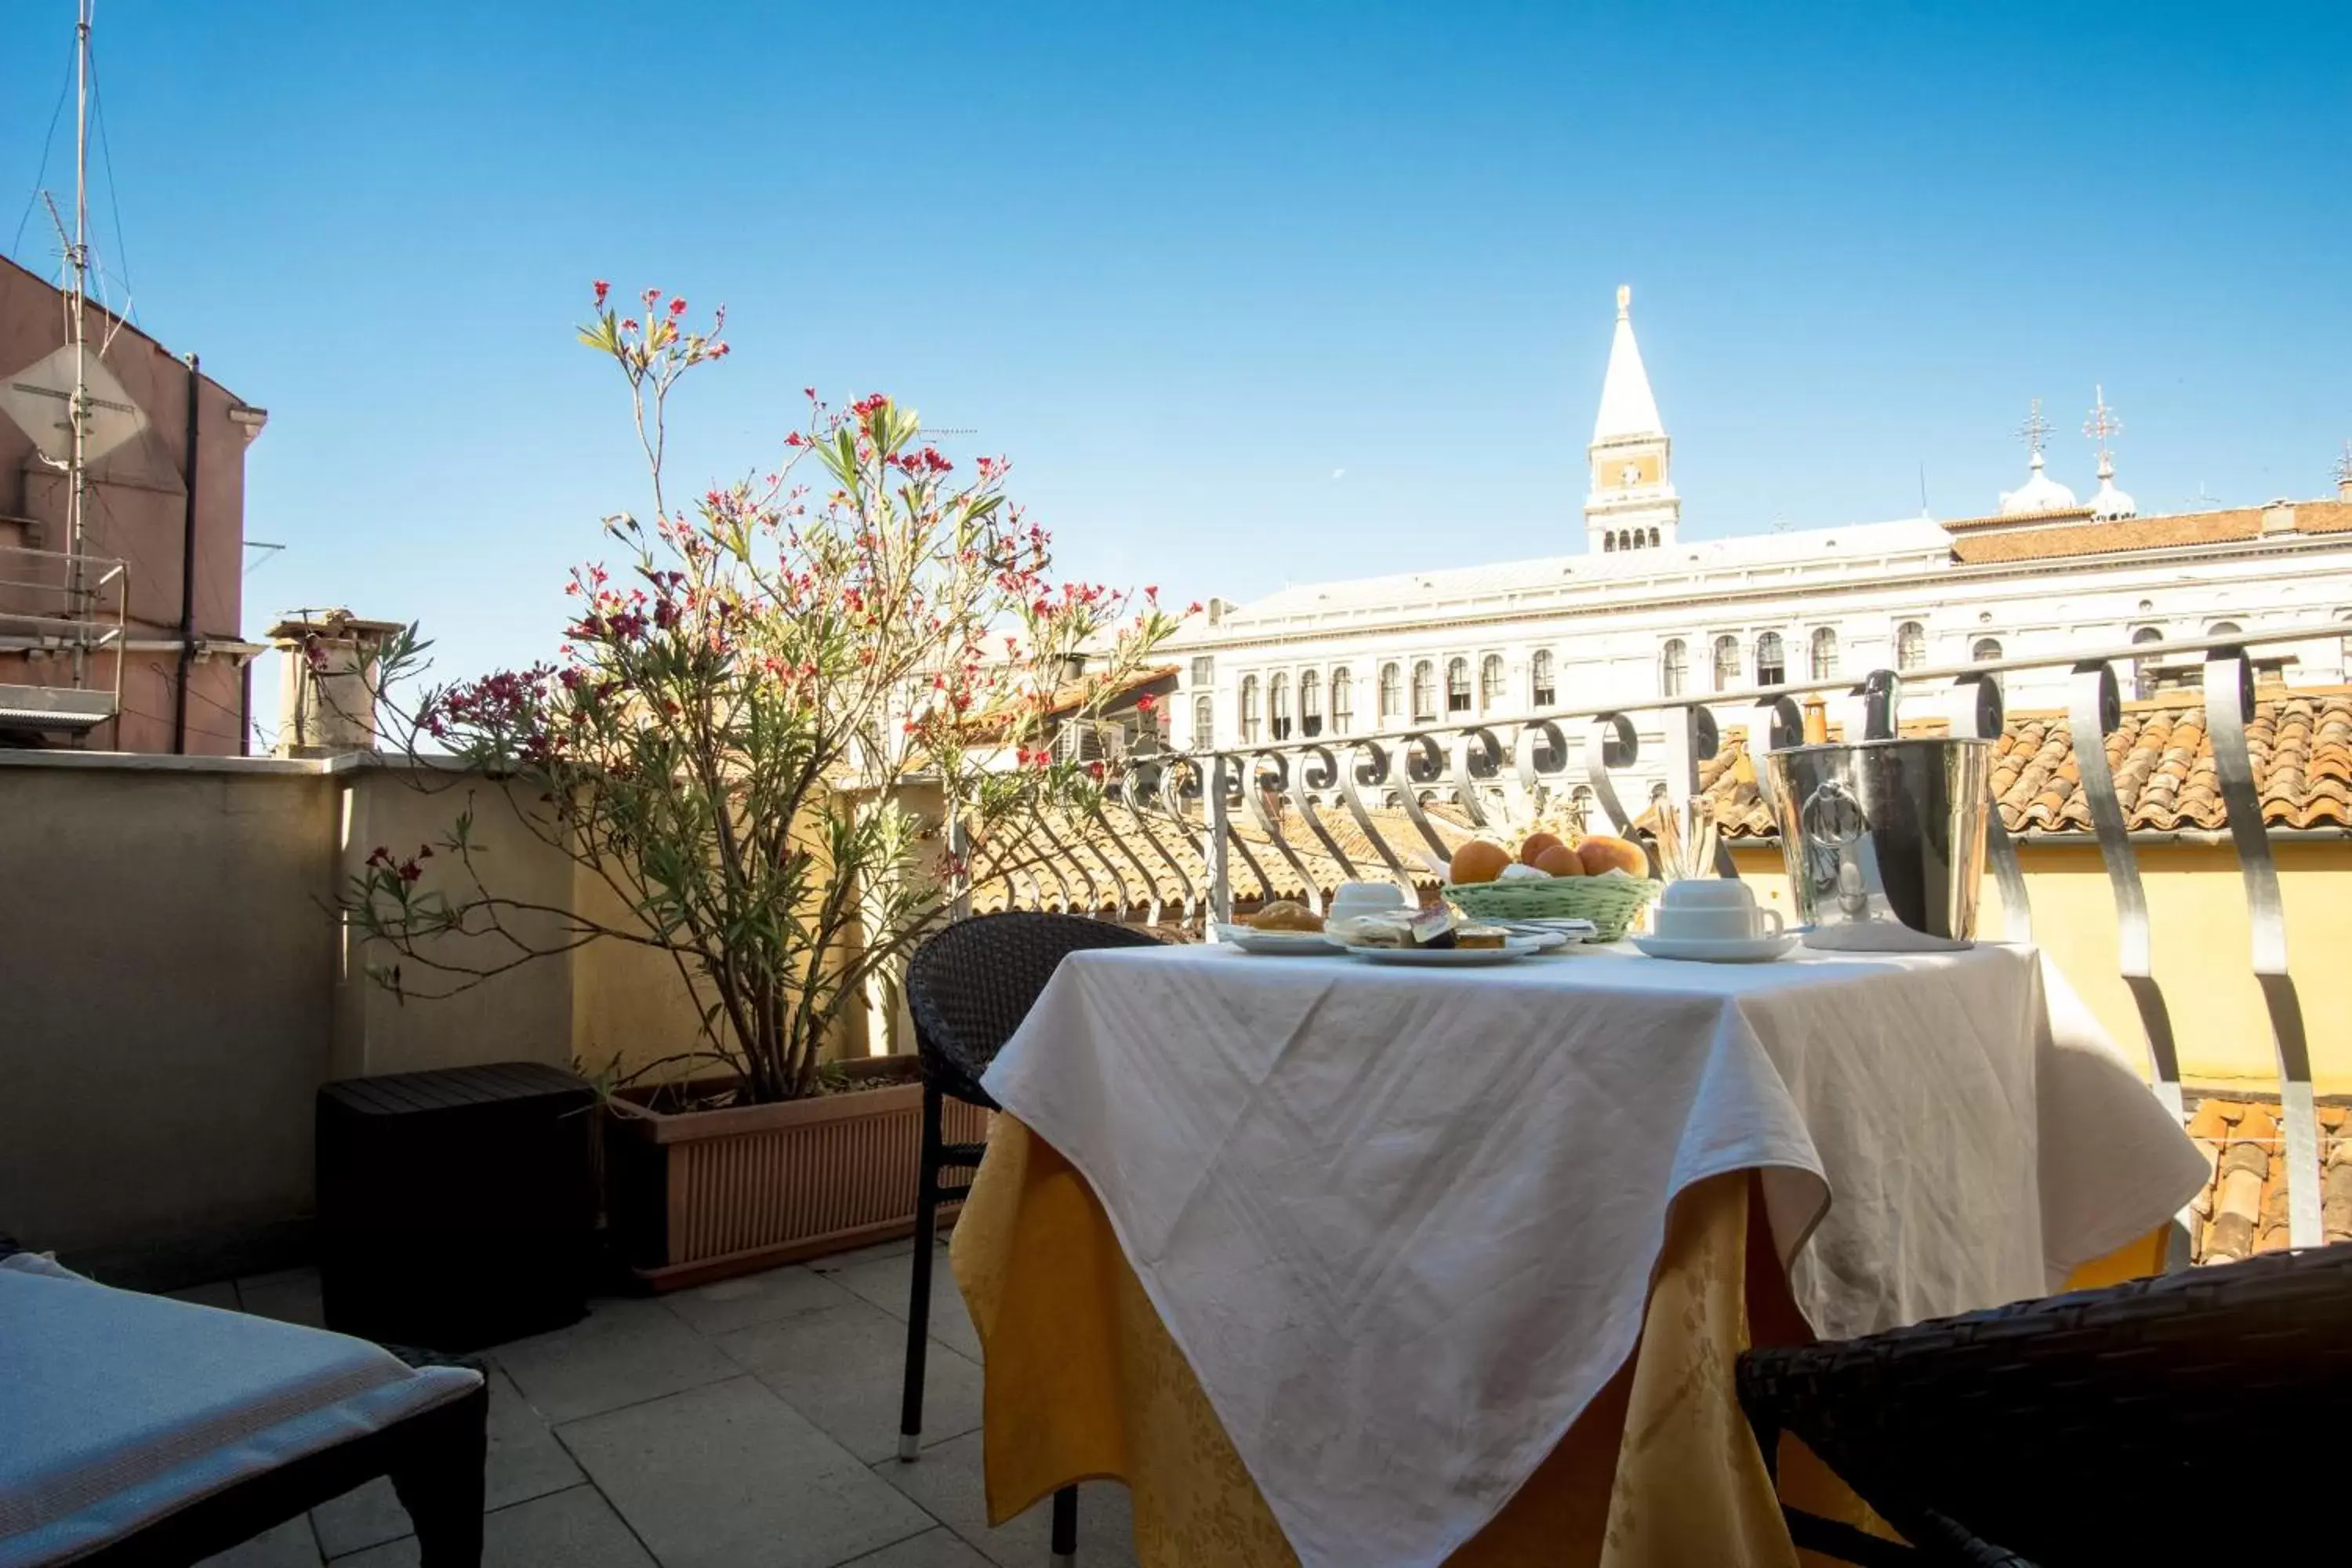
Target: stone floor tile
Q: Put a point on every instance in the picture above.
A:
(221, 1293)
(883, 1282)
(733, 1304)
(622, 1352)
(367, 1515)
(834, 1262)
(573, 1529)
(290, 1295)
(290, 1545)
(842, 1368)
(729, 1474)
(525, 1461)
(947, 1482)
(933, 1549)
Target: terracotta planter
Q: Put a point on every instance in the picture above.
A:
(697, 1196)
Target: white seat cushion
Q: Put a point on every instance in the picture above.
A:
(117, 1408)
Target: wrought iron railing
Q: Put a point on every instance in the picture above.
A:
(1172, 831)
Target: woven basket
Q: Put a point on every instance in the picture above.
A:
(1608, 902)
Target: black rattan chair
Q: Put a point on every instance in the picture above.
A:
(969, 987)
(2100, 1426)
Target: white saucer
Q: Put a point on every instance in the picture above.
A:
(1279, 944)
(1718, 950)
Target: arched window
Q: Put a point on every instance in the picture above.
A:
(1392, 695)
(1771, 660)
(2223, 629)
(1539, 680)
(1424, 691)
(1343, 700)
(1727, 663)
(1824, 664)
(1490, 683)
(1204, 723)
(1609, 542)
(1985, 650)
(1653, 539)
(1673, 667)
(1277, 705)
(2144, 670)
(1310, 704)
(1249, 710)
(1910, 646)
(1457, 686)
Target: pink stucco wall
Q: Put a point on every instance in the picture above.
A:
(138, 513)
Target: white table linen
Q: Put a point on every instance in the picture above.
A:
(1401, 1222)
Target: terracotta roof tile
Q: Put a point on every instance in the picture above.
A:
(2301, 743)
(2242, 1210)
(2132, 534)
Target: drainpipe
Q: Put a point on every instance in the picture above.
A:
(187, 574)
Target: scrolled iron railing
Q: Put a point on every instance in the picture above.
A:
(1175, 833)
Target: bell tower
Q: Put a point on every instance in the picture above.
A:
(1632, 504)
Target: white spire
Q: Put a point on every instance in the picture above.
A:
(2039, 492)
(2110, 502)
(1627, 407)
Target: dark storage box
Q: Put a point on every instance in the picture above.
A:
(456, 1208)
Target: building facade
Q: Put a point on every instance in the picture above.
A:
(1642, 613)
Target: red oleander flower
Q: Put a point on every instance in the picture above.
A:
(676, 307)
(603, 288)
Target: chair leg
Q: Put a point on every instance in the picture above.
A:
(918, 1303)
(1064, 1551)
(439, 1482)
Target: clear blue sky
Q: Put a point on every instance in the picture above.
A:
(1182, 263)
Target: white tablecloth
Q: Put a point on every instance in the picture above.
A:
(1401, 1221)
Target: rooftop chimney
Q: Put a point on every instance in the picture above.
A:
(326, 700)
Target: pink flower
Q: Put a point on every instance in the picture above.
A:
(676, 307)
(629, 325)
(1146, 703)
(603, 288)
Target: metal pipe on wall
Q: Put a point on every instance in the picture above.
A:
(188, 572)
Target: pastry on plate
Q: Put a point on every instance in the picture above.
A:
(1283, 914)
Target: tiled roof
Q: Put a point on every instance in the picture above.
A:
(2242, 1210)
(2069, 536)
(1101, 852)
(2301, 743)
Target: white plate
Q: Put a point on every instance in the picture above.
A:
(1447, 957)
(1718, 950)
(1279, 944)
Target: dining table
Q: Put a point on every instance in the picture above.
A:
(1342, 1263)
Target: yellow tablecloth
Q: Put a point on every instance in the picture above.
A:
(1083, 1382)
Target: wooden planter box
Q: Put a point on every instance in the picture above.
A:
(701, 1195)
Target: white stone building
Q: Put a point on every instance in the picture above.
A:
(1642, 613)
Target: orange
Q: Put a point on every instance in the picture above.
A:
(1601, 852)
(1479, 862)
(1532, 851)
(1559, 860)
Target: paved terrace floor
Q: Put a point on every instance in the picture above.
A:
(753, 1422)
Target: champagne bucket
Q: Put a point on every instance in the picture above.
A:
(1885, 840)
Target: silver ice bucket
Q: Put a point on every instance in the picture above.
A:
(1885, 840)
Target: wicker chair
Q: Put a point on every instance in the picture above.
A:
(969, 987)
(2100, 1426)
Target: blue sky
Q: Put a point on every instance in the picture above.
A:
(1182, 263)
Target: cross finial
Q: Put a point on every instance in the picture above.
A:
(2344, 466)
(1625, 300)
(2035, 431)
(2101, 425)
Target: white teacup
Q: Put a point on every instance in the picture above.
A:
(1713, 908)
(1351, 900)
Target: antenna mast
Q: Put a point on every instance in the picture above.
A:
(76, 255)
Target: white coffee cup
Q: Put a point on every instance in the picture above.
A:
(1713, 908)
(1351, 900)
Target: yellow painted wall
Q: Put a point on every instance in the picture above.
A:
(2203, 946)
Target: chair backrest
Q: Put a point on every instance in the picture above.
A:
(970, 987)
